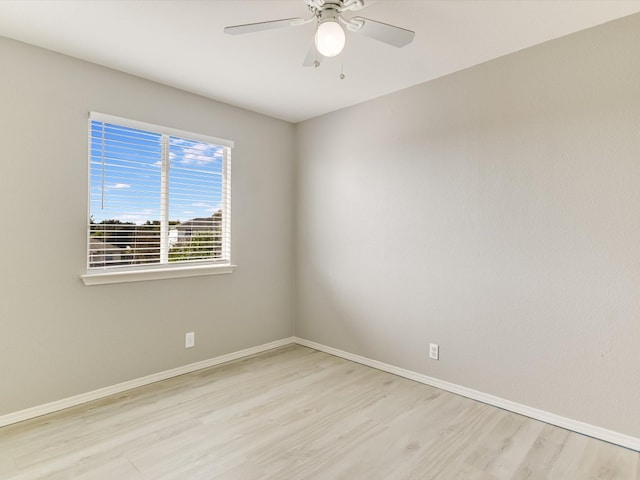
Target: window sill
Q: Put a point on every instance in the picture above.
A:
(103, 278)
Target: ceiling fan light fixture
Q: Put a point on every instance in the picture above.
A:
(330, 38)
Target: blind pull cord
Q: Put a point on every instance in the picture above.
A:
(102, 188)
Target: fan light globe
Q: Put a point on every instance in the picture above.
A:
(330, 38)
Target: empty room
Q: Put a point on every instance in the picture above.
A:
(320, 239)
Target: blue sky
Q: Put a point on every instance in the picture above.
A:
(132, 175)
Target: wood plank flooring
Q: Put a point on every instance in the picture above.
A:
(296, 413)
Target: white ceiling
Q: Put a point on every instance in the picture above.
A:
(181, 43)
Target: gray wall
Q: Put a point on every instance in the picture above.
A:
(59, 338)
(495, 211)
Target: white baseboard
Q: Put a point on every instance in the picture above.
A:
(580, 427)
(33, 412)
(600, 433)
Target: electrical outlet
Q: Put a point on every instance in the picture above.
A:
(189, 340)
(434, 351)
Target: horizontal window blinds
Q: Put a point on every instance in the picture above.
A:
(156, 197)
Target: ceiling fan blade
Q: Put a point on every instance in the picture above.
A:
(383, 32)
(261, 26)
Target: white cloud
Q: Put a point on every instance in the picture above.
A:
(194, 153)
(116, 186)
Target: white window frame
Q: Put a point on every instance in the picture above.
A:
(158, 271)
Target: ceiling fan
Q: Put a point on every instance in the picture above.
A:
(330, 37)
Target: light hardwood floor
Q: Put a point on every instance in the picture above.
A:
(296, 413)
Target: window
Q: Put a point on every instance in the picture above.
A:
(159, 201)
